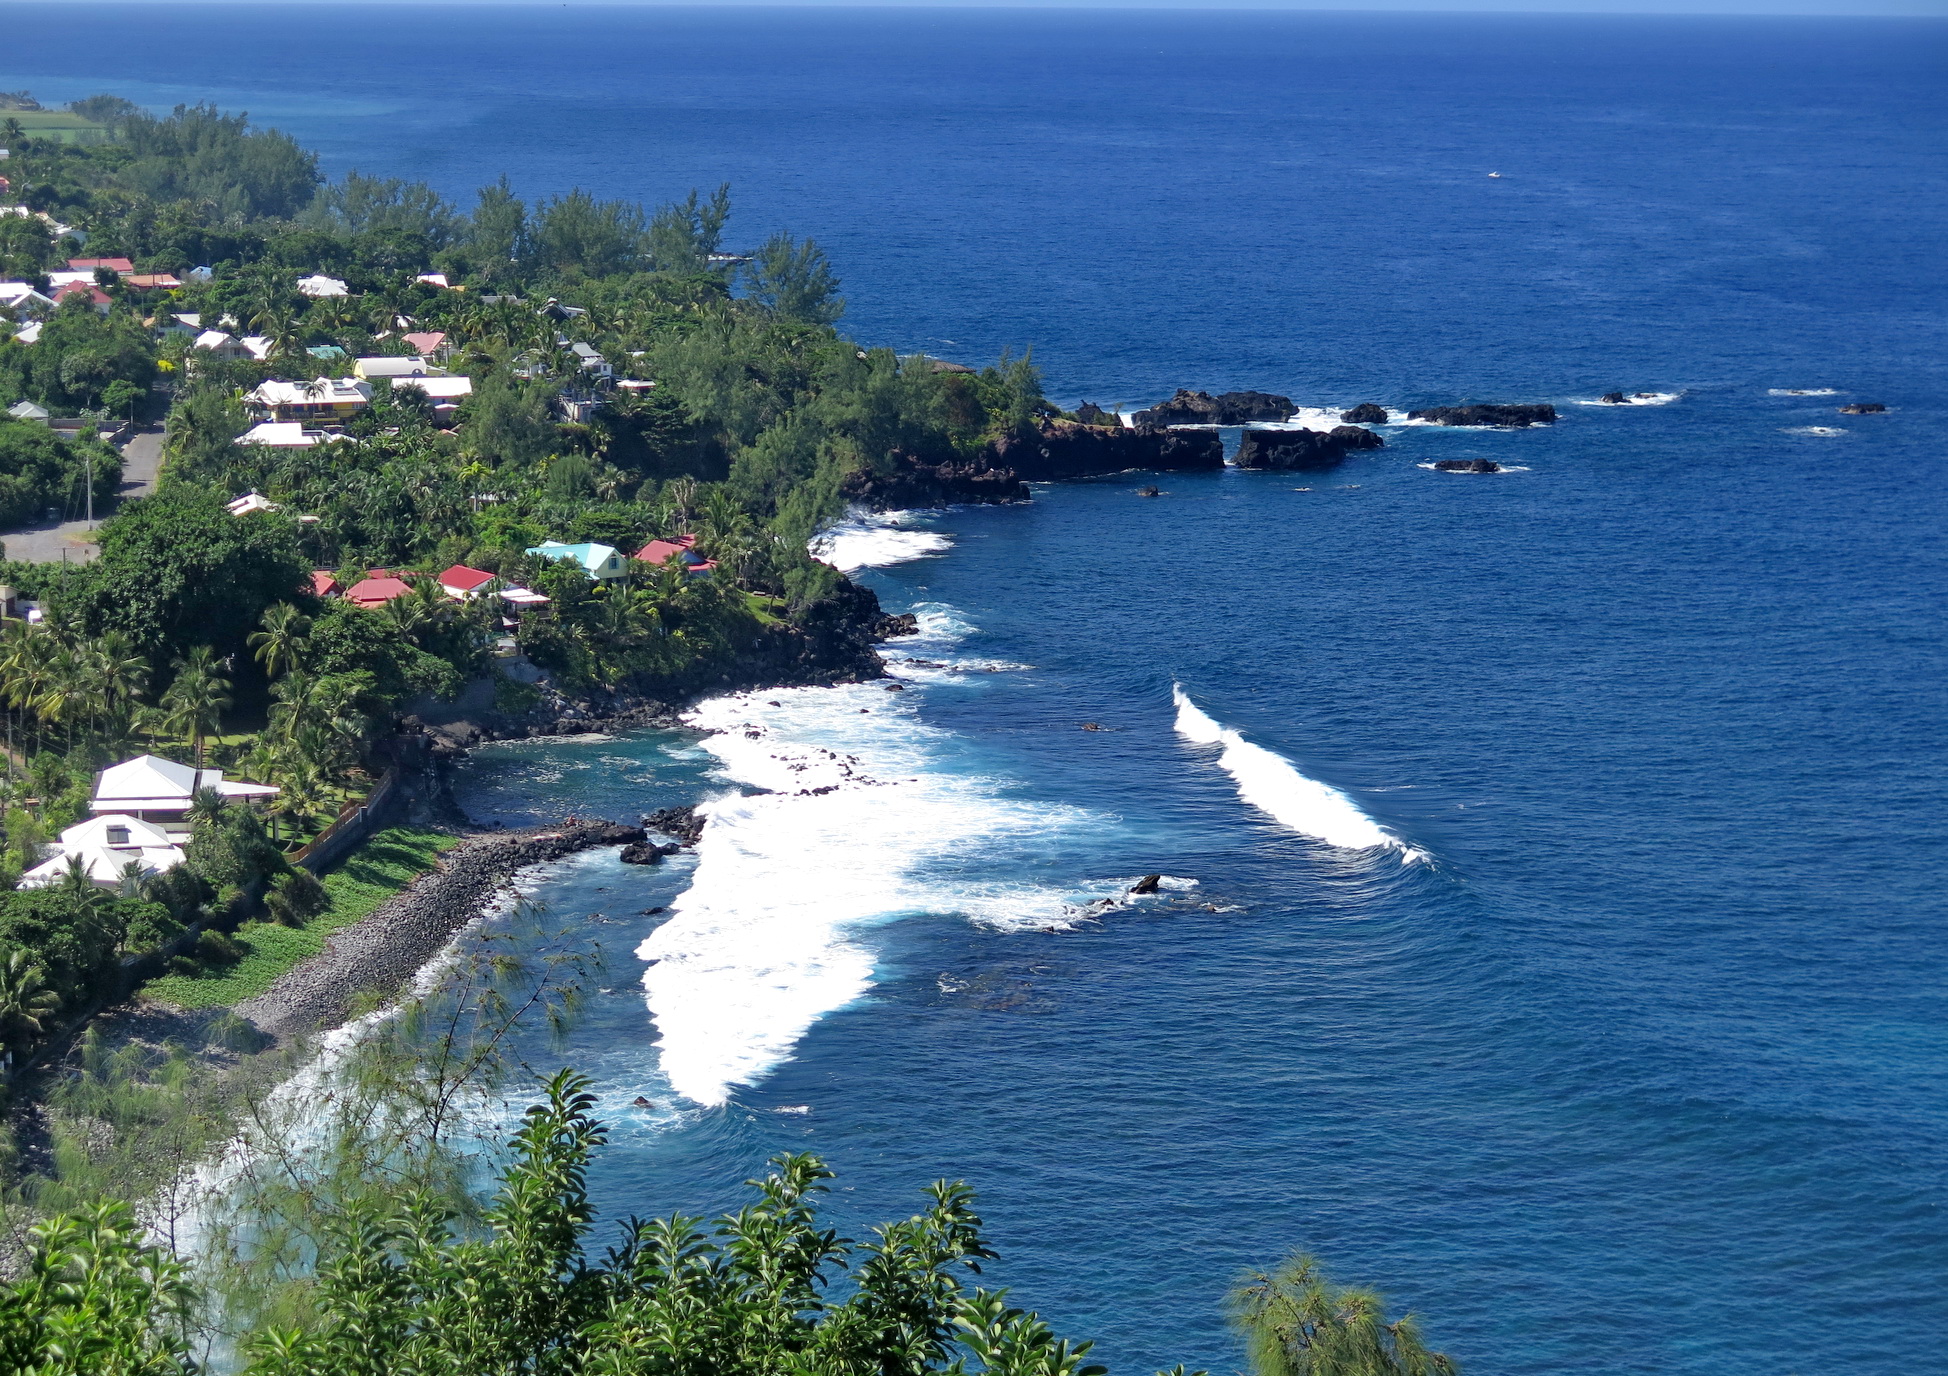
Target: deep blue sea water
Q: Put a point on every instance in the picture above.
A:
(1627, 1053)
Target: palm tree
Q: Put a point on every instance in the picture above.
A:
(1297, 1323)
(26, 1003)
(281, 645)
(195, 703)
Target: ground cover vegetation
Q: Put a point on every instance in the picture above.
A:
(386, 1231)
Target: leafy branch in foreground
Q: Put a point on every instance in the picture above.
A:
(1298, 1323)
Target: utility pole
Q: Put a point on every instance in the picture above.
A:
(90, 457)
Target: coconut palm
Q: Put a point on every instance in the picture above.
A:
(194, 704)
(26, 1003)
(280, 647)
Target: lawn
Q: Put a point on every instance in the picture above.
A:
(57, 124)
(375, 872)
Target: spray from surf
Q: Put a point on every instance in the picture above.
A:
(876, 540)
(1269, 783)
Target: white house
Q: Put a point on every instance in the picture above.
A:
(250, 503)
(27, 410)
(156, 789)
(31, 334)
(22, 299)
(321, 285)
(106, 846)
(328, 398)
(220, 343)
(394, 365)
(286, 434)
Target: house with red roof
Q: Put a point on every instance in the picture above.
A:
(376, 590)
(463, 584)
(660, 552)
(323, 583)
(96, 297)
(90, 264)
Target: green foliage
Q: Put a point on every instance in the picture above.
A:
(78, 357)
(39, 470)
(351, 641)
(178, 571)
(70, 934)
(794, 280)
(380, 868)
(96, 1299)
(1298, 1323)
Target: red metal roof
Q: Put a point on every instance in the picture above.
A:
(112, 264)
(95, 294)
(464, 578)
(323, 584)
(372, 592)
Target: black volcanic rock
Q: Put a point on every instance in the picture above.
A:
(1366, 413)
(1510, 417)
(1091, 414)
(1614, 399)
(1063, 449)
(1287, 450)
(891, 625)
(1468, 466)
(683, 823)
(911, 482)
(1863, 408)
(1232, 408)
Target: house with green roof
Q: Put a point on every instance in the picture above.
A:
(598, 561)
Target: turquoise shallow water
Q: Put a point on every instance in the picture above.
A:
(1641, 1069)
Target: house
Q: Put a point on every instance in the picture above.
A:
(87, 291)
(107, 846)
(257, 346)
(152, 281)
(377, 590)
(22, 299)
(27, 410)
(371, 369)
(597, 561)
(321, 285)
(220, 343)
(176, 323)
(446, 393)
(327, 353)
(519, 601)
(287, 434)
(323, 583)
(326, 399)
(249, 504)
(154, 789)
(434, 279)
(591, 361)
(30, 334)
(463, 584)
(660, 552)
(430, 343)
(91, 265)
(631, 384)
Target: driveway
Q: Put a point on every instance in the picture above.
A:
(72, 541)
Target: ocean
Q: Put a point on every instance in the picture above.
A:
(1551, 931)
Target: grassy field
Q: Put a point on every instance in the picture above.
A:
(375, 872)
(56, 124)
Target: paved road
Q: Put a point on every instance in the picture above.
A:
(69, 540)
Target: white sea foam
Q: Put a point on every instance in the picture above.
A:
(1823, 431)
(872, 817)
(877, 540)
(1269, 783)
(1803, 392)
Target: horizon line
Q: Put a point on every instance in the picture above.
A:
(1661, 9)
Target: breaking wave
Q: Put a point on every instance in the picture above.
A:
(870, 816)
(876, 541)
(1269, 783)
(1823, 431)
(1633, 399)
(1802, 391)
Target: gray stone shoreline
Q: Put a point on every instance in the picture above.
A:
(387, 948)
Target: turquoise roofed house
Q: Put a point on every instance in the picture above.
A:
(598, 561)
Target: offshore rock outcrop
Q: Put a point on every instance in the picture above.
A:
(1864, 408)
(911, 483)
(1505, 417)
(1231, 408)
(1366, 413)
(1288, 450)
(1468, 466)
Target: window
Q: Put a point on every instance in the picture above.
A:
(118, 836)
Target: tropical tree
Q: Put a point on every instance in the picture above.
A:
(281, 645)
(1298, 1323)
(194, 704)
(26, 1003)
